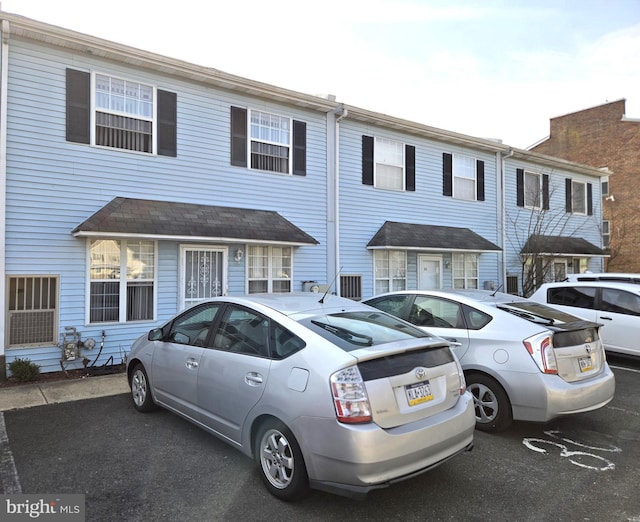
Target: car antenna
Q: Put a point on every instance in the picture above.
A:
(496, 290)
(329, 286)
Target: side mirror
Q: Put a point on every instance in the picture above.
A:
(155, 334)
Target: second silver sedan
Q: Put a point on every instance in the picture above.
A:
(522, 360)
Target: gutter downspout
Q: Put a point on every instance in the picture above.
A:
(4, 81)
(333, 194)
(503, 213)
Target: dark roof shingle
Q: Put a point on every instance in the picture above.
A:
(541, 244)
(129, 216)
(429, 237)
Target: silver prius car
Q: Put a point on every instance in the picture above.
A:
(522, 360)
(323, 392)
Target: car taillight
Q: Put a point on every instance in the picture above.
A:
(540, 347)
(350, 396)
(463, 381)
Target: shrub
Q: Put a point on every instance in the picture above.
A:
(24, 370)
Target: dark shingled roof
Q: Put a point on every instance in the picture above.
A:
(540, 244)
(127, 216)
(432, 237)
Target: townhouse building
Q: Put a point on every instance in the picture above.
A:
(134, 185)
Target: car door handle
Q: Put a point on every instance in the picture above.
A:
(453, 341)
(253, 378)
(607, 318)
(191, 363)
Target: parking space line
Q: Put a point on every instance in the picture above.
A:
(8, 473)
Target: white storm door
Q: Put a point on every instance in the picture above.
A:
(203, 274)
(429, 272)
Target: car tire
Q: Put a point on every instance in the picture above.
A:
(280, 461)
(492, 405)
(141, 390)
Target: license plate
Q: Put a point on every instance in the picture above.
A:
(418, 393)
(585, 363)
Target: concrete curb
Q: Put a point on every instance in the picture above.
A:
(29, 395)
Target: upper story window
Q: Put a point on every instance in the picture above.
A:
(114, 112)
(462, 177)
(267, 141)
(123, 114)
(270, 142)
(604, 185)
(388, 171)
(532, 190)
(579, 197)
(388, 164)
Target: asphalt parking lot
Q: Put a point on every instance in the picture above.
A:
(134, 467)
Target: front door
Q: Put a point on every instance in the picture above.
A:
(203, 274)
(429, 272)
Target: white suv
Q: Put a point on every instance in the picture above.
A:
(605, 276)
(613, 304)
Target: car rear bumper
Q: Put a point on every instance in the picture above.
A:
(352, 460)
(542, 397)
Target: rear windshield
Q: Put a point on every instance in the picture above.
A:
(537, 312)
(353, 330)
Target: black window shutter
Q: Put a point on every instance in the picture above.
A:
(480, 178)
(78, 106)
(447, 174)
(367, 160)
(238, 137)
(545, 192)
(520, 187)
(410, 167)
(299, 148)
(589, 199)
(167, 128)
(567, 195)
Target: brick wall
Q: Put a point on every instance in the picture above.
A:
(601, 137)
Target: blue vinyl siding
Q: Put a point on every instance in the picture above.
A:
(53, 185)
(556, 221)
(364, 208)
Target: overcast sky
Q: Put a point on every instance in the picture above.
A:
(489, 68)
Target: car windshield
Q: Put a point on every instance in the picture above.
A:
(537, 312)
(353, 330)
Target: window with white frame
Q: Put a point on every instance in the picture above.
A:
(532, 190)
(32, 310)
(604, 185)
(124, 113)
(578, 197)
(121, 280)
(465, 270)
(270, 141)
(464, 177)
(389, 164)
(390, 268)
(269, 269)
(606, 233)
